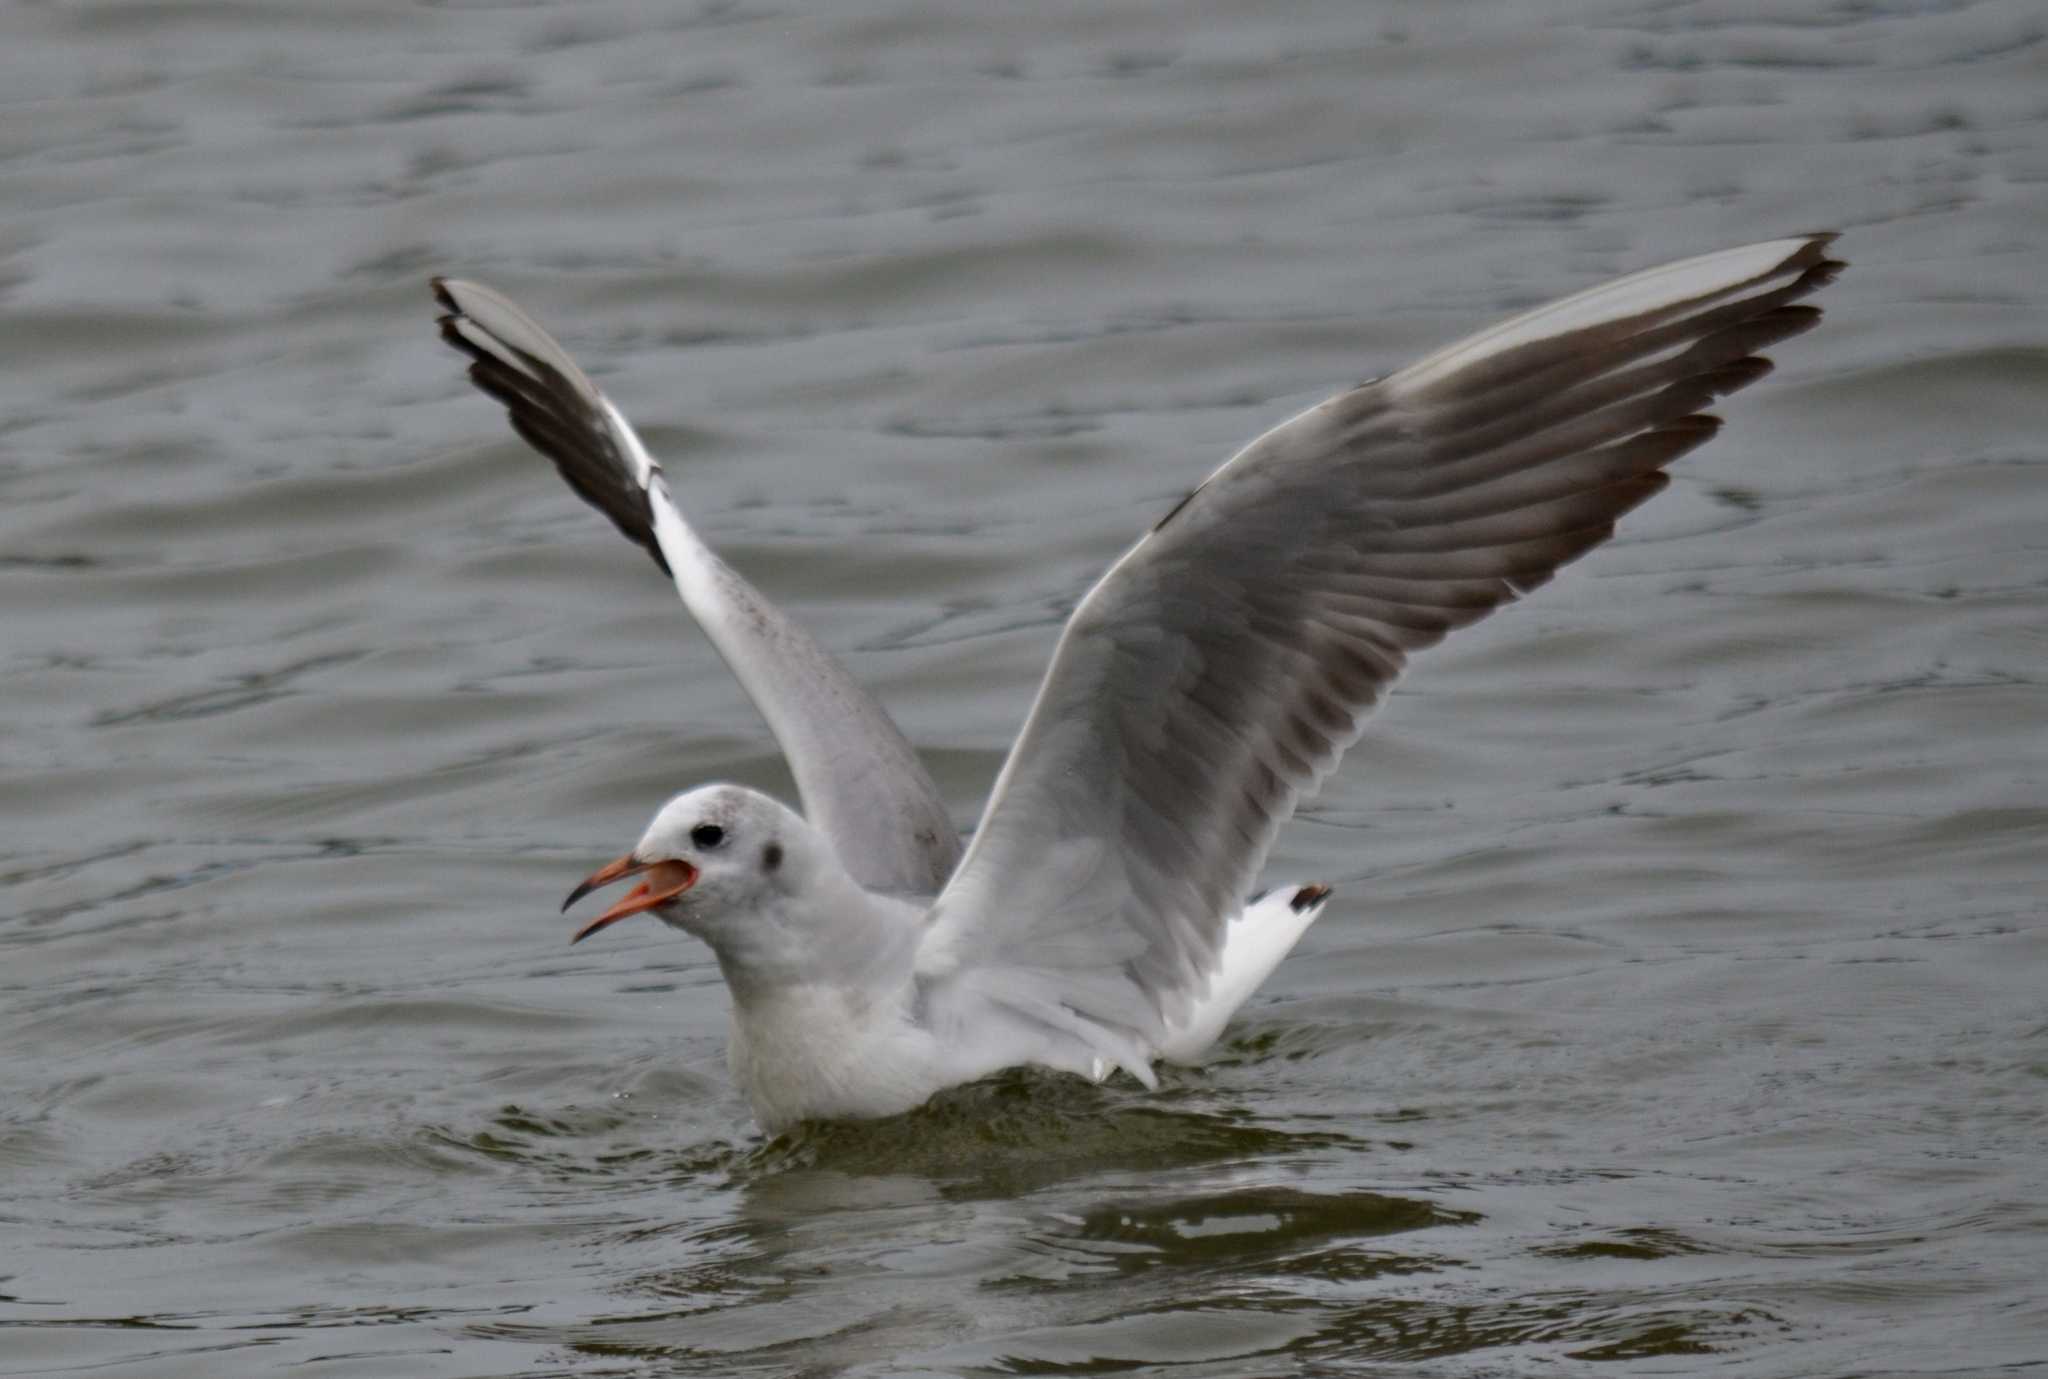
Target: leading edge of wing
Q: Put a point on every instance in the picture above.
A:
(861, 782)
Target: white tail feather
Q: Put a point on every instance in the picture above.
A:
(1253, 946)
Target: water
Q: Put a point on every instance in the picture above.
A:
(1681, 1001)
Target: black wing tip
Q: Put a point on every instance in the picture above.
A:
(1792, 320)
(1736, 375)
(1814, 252)
(451, 335)
(1626, 495)
(1817, 268)
(443, 289)
(551, 415)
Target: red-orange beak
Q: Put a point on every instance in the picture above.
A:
(665, 881)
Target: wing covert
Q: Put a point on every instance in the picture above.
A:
(1218, 671)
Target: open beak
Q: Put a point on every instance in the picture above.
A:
(665, 881)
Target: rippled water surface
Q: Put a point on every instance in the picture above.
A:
(1681, 1004)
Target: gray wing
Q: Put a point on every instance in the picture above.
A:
(862, 784)
(1222, 666)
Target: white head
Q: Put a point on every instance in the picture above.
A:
(722, 862)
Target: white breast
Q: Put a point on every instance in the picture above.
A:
(828, 1052)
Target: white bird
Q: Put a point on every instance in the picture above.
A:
(1213, 676)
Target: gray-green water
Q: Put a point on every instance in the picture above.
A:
(1681, 1005)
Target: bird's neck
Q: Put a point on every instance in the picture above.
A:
(821, 1009)
(837, 935)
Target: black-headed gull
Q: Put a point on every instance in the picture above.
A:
(1213, 676)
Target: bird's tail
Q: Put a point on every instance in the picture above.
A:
(1252, 947)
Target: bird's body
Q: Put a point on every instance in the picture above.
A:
(1096, 920)
(838, 1009)
(820, 1050)
(859, 1048)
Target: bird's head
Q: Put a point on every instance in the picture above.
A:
(711, 857)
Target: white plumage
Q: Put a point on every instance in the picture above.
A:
(1211, 678)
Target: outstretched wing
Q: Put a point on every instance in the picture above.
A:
(862, 784)
(1223, 665)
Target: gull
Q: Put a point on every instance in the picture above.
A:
(1097, 919)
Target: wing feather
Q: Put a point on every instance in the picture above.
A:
(1222, 666)
(862, 784)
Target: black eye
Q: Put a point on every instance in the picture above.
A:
(707, 836)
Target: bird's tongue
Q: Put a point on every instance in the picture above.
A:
(665, 881)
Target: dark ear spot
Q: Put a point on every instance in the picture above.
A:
(771, 857)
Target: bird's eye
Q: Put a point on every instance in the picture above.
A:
(707, 836)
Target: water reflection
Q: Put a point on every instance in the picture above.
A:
(1000, 1199)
